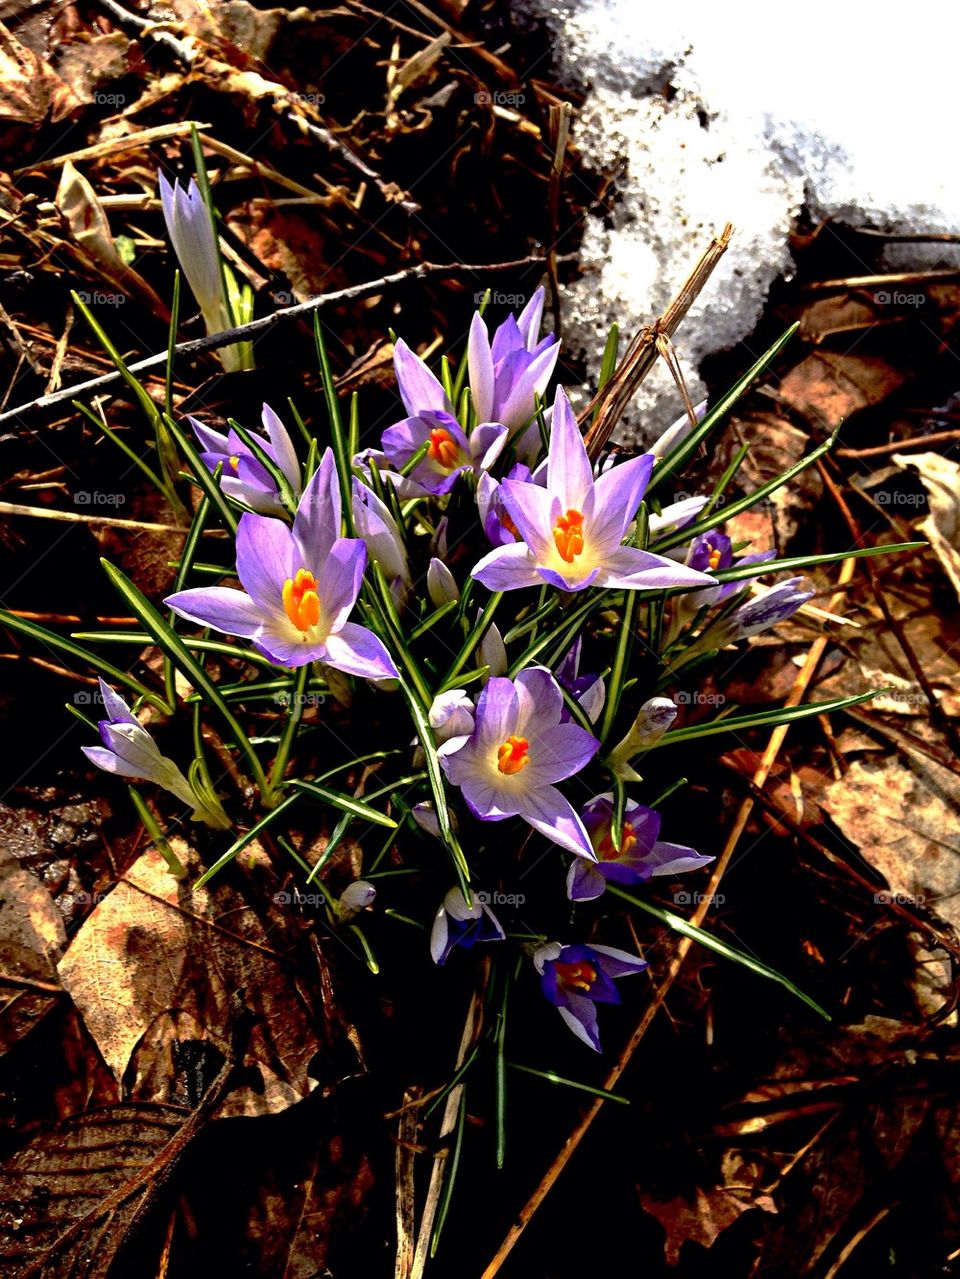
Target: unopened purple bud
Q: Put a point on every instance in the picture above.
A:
(678, 432)
(441, 584)
(774, 606)
(360, 895)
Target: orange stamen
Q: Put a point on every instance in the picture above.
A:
(301, 601)
(577, 976)
(512, 755)
(443, 449)
(568, 535)
(715, 558)
(607, 851)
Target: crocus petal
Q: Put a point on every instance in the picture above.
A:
(341, 580)
(632, 569)
(114, 705)
(674, 859)
(480, 366)
(580, 1015)
(356, 650)
(619, 963)
(109, 762)
(377, 527)
(419, 389)
(569, 472)
(497, 709)
(265, 559)
(534, 510)
(506, 339)
(317, 523)
(584, 881)
(438, 936)
(487, 442)
(441, 584)
(520, 403)
(617, 496)
(225, 609)
(493, 653)
(565, 750)
(530, 319)
(547, 811)
(507, 568)
(282, 446)
(211, 441)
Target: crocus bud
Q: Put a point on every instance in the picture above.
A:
(358, 896)
(653, 719)
(677, 433)
(493, 653)
(451, 715)
(764, 611)
(379, 530)
(441, 584)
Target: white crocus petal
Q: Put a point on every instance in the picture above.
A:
(451, 715)
(358, 896)
(493, 653)
(441, 584)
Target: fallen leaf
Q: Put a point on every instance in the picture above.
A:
(32, 939)
(30, 90)
(941, 479)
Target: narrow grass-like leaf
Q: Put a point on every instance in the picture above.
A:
(157, 837)
(450, 1175)
(338, 437)
(431, 619)
(66, 645)
(552, 1078)
(346, 803)
(677, 924)
(809, 561)
(770, 719)
(172, 343)
(618, 671)
(202, 475)
(240, 844)
(474, 639)
(256, 446)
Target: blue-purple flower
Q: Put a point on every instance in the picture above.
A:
(194, 241)
(128, 750)
(640, 855)
(589, 690)
(244, 477)
(762, 612)
(497, 524)
(710, 552)
(576, 978)
(457, 924)
(574, 526)
(518, 750)
(299, 588)
(507, 374)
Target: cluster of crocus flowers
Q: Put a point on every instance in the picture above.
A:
(518, 750)
(573, 526)
(128, 750)
(639, 856)
(243, 476)
(299, 587)
(576, 978)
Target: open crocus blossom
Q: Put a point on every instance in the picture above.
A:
(128, 750)
(507, 374)
(712, 551)
(448, 451)
(518, 750)
(576, 978)
(244, 477)
(640, 855)
(457, 924)
(574, 526)
(299, 587)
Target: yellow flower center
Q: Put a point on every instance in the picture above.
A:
(576, 976)
(234, 462)
(443, 449)
(715, 557)
(609, 853)
(512, 755)
(568, 535)
(301, 601)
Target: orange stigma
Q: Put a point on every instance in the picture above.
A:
(512, 755)
(576, 976)
(301, 601)
(568, 535)
(443, 449)
(509, 525)
(607, 851)
(234, 462)
(715, 557)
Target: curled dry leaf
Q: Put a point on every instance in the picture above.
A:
(941, 479)
(157, 952)
(32, 938)
(30, 90)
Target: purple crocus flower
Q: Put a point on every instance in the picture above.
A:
(128, 750)
(244, 477)
(385, 545)
(764, 611)
(507, 374)
(194, 241)
(678, 432)
(640, 855)
(497, 524)
(518, 750)
(588, 690)
(573, 527)
(712, 551)
(356, 897)
(300, 586)
(576, 978)
(457, 924)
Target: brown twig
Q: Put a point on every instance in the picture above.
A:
(256, 328)
(643, 351)
(898, 446)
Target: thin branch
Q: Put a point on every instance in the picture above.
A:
(255, 328)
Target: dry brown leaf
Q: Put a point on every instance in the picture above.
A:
(941, 479)
(700, 1219)
(155, 947)
(30, 90)
(89, 64)
(32, 939)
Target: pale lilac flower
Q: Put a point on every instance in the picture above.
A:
(576, 978)
(678, 432)
(128, 750)
(451, 715)
(640, 855)
(300, 587)
(356, 897)
(507, 374)
(457, 924)
(244, 477)
(441, 584)
(676, 515)
(194, 241)
(497, 524)
(449, 451)
(385, 546)
(573, 527)
(518, 750)
(766, 610)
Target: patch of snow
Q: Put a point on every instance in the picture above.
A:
(713, 114)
